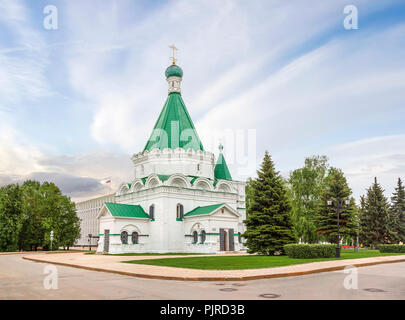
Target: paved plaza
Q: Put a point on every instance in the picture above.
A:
(109, 263)
(23, 279)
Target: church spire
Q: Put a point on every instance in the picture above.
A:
(174, 127)
(221, 170)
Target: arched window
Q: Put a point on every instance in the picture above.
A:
(152, 211)
(195, 237)
(239, 237)
(179, 211)
(135, 236)
(203, 236)
(124, 237)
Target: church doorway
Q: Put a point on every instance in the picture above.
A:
(226, 240)
(106, 240)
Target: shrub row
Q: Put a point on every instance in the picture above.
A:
(391, 248)
(305, 251)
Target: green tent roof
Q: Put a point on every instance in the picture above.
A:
(126, 210)
(221, 170)
(169, 130)
(203, 210)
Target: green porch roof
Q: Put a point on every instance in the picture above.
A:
(174, 127)
(203, 210)
(221, 170)
(126, 210)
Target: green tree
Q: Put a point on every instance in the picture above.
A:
(305, 188)
(375, 217)
(32, 233)
(248, 194)
(353, 223)
(11, 217)
(336, 187)
(68, 223)
(29, 212)
(398, 210)
(268, 221)
(58, 215)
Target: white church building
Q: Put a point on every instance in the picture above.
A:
(180, 198)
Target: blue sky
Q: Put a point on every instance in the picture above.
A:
(77, 102)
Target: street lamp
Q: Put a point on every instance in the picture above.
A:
(90, 236)
(338, 206)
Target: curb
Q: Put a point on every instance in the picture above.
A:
(18, 252)
(265, 276)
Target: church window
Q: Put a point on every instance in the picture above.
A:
(152, 211)
(203, 236)
(179, 211)
(239, 237)
(124, 237)
(135, 236)
(195, 237)
(198, 167)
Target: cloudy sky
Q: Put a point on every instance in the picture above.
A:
(77, 101)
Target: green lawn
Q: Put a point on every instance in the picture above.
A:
(64, 251)
(251, 262)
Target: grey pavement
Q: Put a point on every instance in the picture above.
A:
(23, 279)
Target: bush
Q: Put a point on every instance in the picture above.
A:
(305, 251)
(397, 248)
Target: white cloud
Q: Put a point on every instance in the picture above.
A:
(22, 76)
(219, 53)
(362, 160)
(244, 67)
(18, 156)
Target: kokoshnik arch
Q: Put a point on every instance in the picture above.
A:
(179, 200)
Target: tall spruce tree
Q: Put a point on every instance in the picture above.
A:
(398, 210)
(375, 217)
(361, 210)
(248, 194)
(268, 221)
(353, 223)
(336, 187)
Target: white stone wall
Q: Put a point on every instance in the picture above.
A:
(166, 233)
(116, 225)
(168, 162)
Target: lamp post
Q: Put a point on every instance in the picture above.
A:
(51, 238)
(338, 206)
(89, 241)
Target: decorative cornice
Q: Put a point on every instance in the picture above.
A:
(168, 153)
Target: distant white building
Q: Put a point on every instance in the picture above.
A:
(87, 211)
(179, 200)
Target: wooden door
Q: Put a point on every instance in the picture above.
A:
(106, 240)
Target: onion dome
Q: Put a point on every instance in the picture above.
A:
(174, 71)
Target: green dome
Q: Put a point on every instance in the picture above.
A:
(174, 71)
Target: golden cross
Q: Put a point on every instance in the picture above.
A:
(173, 47)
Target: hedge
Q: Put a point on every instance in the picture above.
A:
(391, 248)
(305, 251)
